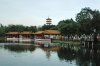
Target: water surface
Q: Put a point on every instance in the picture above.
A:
(62, 55)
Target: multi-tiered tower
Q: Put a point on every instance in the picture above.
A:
(48, 21)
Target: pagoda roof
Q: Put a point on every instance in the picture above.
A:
(48, 18)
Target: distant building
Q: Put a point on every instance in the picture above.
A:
(48, 21)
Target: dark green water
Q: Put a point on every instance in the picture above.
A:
(30, 55)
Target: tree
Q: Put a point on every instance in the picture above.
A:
(96, 20)
(20, 28)
(2, 30)
(68, 27)
(47, 27)
(88, 20)
(14, 28)
(84, 18)
(33, 28)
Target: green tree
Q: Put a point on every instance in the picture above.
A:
(47, 27)
(88, 20)
(33, 28)
(68, 27)
(14, 28)
(20, 28)
(84, 18)
(96, 20)
(2, 30)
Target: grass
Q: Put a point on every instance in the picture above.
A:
(2, 39)
(66, 41)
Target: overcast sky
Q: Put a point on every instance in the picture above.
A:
(34, 12)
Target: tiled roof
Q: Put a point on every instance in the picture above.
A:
(48, 32)
(20, 33)
(51, 32)
(39, 32)
(26, 33)
(12, 33)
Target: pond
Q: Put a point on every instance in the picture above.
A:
(32, 55)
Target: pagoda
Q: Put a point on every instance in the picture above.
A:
(48, 21)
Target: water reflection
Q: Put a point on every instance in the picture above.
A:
(83, 56)
(68, 53)
(20, 48)
(49, 50)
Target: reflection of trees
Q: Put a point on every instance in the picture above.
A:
(96, 57)
(88, 57)
(83, 56)
(1, 47)
(20, 48)
(67, 54)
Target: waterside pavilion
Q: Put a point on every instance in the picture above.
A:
(30, 36)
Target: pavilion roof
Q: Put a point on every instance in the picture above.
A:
(52, 32)
(48, 32)
(26, 32)
(39, 32)
(13, 33)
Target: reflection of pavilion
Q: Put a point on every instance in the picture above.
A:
(51, 49)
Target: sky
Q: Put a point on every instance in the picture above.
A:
(35, 12)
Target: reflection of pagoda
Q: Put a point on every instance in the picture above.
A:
(48, 21)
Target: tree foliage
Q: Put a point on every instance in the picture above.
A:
(47, 27)
(16, 28)
(20, 28)
(68, 27)
(84, 18)
(88, 20)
